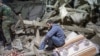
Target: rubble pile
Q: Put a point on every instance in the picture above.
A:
(80, 16)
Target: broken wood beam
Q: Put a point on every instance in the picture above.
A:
(75, 10)
(42, 23)
(34, 23)
(48, 15)
(89, 51)
(37, 39)
(71, 28)
(79, 29)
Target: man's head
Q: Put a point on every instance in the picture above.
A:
(49, 23)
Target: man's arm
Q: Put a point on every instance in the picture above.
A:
(6, 12)
(51, 32)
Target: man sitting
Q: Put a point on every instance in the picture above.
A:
(54, 38)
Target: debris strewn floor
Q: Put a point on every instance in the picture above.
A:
(75, 17)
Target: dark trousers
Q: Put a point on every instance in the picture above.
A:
(2, 38)
(52, 43)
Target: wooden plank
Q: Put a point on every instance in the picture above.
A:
(89, 51)
(79, 29)
(71, 41)
(34, 23)
(71, 28)
(83, 49)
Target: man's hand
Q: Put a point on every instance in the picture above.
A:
(56, 49)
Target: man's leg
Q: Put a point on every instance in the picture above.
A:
(42, 44)
(2, 37)
(58, 41)
(49, 42)
(6, 31)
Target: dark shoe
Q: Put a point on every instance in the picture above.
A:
(8, 47)
(49, 48)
